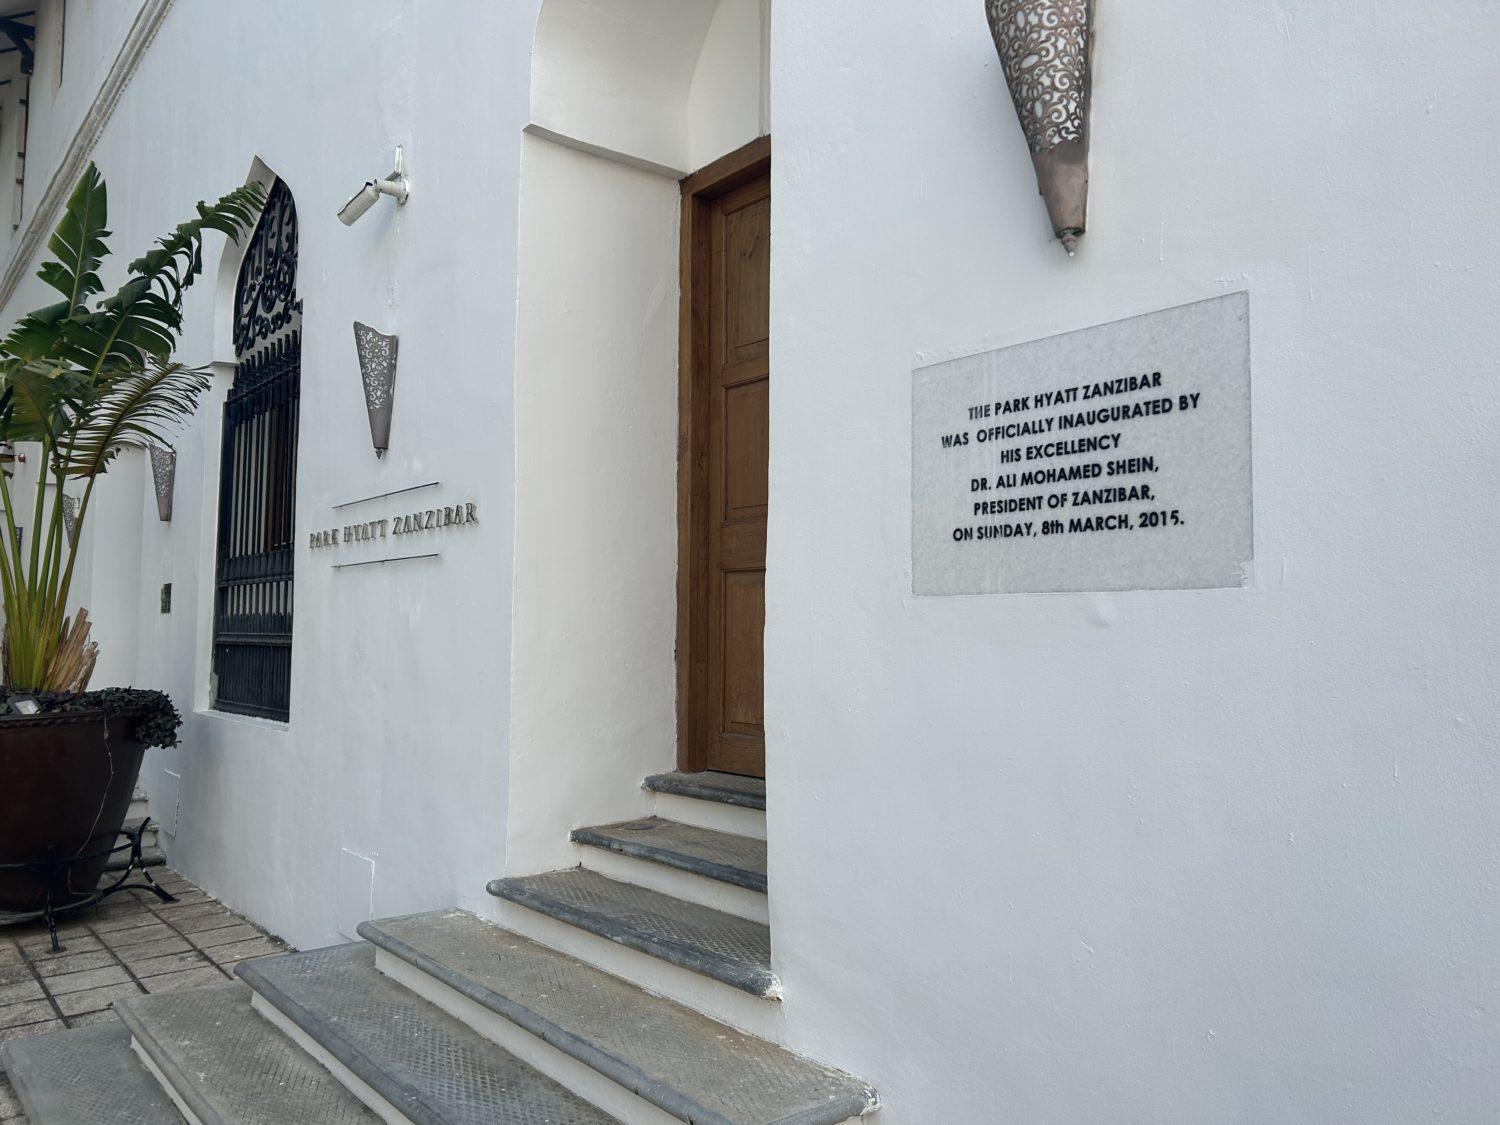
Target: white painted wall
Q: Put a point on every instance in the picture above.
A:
(1150, 856)
(396, 748)
(595, 605)
(1187, 856)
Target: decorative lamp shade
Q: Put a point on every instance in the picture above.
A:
(1044, 48)
(163, 477)
(70, 517)
(377, 369)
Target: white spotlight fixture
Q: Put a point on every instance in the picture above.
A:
(395, 185)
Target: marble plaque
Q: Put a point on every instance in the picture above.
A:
(1112, 458)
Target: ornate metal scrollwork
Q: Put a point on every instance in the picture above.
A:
(163, 476)
(1044, 48)
(377, 369)
(266, 301)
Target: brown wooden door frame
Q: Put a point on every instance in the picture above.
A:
(699, 190)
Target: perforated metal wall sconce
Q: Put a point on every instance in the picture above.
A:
(70, 518)
(377, 370)
(163, 477)
(1045, 48)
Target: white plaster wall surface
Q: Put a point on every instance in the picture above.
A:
(399, 713)
(594, 678)
(1152, 856)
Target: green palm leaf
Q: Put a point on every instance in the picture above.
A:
(136, 407)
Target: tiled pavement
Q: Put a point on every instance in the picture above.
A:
(133, 943)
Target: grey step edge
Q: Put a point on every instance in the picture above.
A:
(727, 948)
(614, 1025)
(405, 1069)
(657, 841)
(298, 1076)
(725, 788)
(88, 1076)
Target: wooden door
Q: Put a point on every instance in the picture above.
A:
(730, 389)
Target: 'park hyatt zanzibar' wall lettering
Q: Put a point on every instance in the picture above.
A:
(1111, 458)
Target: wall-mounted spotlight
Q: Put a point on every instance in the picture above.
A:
(395, 185)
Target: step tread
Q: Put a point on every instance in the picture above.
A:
(431, 1067)
(89, 1076)
(718, 945)
(689, 1065)
(739, 860)
(707, 785)
(151, 856)
(229, 1065)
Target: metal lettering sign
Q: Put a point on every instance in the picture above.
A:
(1111, 458)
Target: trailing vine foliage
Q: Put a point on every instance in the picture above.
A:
(84, 377)
(156, 717)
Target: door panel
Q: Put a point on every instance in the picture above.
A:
(735, 382)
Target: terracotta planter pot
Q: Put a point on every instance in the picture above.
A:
(65, 787)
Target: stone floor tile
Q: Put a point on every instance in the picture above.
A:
(41, 950)
(185, 900)
(241, 931)
(256, 947)
(114, 923)
(96, 999)
(21, 990)
(138, 935)
(10, 954)
(173, 962)
(148, 949)
(28, 1011)
(200, 923)
(10, 1105)
(13, 974)
(105, 1015)
(92, 978)
(74, 963)
(31, 1029)
(187, 978)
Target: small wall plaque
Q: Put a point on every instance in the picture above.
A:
(377, 369)
(1112, 458)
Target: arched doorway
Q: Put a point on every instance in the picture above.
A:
(628, 100)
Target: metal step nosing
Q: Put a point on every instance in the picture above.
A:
(341, 1049)
(617, 1070)
(758, 982)
(178, 1086)
(723, 873)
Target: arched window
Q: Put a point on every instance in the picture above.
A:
(258, 475)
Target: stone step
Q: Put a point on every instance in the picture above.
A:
(722, 946)
(707, 785)
(405, 1056)
(85, 1077)
(151, 856)
(738, 860)
(225, 1065)
(151, 853)
(684, 1063)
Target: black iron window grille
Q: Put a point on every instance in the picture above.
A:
(252, 667)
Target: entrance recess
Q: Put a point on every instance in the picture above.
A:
(724, 412)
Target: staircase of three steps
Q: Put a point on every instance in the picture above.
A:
(443, 1018)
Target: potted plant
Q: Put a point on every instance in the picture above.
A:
(81, 379)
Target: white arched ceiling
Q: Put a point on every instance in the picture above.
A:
(667, 85)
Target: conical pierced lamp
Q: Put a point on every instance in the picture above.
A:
(377, 370)
(1044, 48)
(163, 477)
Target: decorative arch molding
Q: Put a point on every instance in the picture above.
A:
(664, 85)
(226, 280)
